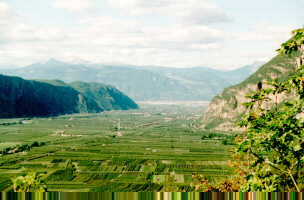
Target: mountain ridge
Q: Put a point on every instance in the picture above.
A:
(141, 83)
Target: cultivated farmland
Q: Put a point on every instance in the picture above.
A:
(156, 148)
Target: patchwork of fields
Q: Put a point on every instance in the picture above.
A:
(157, 148)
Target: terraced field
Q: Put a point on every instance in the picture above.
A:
(157, 148)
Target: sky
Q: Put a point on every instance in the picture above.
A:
(222, 34)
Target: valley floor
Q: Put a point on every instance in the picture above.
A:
(156, 148)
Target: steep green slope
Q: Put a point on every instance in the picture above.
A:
(142, 83)
(226, 108)
(21, 98)
(106, 97)
(24, 98)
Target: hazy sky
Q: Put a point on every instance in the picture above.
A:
(179, 33)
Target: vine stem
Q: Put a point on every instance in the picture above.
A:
(290, 174)
(294, 182)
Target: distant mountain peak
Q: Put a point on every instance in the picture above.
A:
(79, 61)
(53, 61)
(141, 82)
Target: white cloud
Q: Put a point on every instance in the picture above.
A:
(134, 35)
(188, 40)
(109, 40)
(6, 14)
(266, 32)
(4, 9)
(186, 11)
(74, 5)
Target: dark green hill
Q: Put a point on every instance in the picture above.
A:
(106, 97)
(28, 98)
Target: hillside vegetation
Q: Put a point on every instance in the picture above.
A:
(271, 151)
(24, 98)
(226, 108)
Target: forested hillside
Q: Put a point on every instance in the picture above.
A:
(24, 98)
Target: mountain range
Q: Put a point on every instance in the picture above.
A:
(29, 98)
(142, 83)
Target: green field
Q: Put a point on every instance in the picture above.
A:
(156, 148)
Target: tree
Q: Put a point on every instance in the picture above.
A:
(29, 183)
(271, 152)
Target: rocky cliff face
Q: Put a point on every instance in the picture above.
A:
(227, 108)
